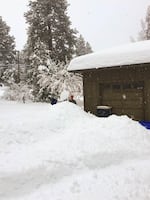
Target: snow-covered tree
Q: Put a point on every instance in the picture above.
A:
(37, 58)
(147, 32)
(88, 48)
(7, 48)
(53, 79)
(49, 24)
(7, 44)
(144, 34)
(10, 75)
(82, 47)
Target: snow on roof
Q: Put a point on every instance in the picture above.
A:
(133, 53)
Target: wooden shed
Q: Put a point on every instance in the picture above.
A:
(117, 77)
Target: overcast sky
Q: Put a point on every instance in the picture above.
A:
(103, 23)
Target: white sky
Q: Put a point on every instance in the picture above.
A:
(103, 23)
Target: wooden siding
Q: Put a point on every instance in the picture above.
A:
(124, 98)
(135, 103)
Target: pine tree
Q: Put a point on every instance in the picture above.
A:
(82, 47)
(88, 48)
(49, 23)
(7, 51)
(7, 44)
(148, 24)
(144, 34)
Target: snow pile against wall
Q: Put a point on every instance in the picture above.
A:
(61, 152)
(133, 53)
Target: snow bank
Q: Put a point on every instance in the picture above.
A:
(133, 53)
(61, 152)
(66, 114)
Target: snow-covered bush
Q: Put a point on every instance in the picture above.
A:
(18, 92)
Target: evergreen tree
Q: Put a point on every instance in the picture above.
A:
(7, 44)
(148, 24)
(144, 34)
(37, 58)
(49, 24)
(82, 47)
(88, 48)
(7, 51)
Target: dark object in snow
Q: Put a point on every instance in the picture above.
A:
(23, 98)
(146, 124)
(104, 111)
(71, 99)
(53, 101)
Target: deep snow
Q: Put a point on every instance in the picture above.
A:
(128, 54)
(62, 153)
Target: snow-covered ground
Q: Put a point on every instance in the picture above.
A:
(62, 153)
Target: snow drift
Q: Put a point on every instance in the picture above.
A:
(61, 152)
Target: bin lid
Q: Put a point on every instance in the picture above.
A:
(104, 107)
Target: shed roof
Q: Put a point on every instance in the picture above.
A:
(129, 54)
